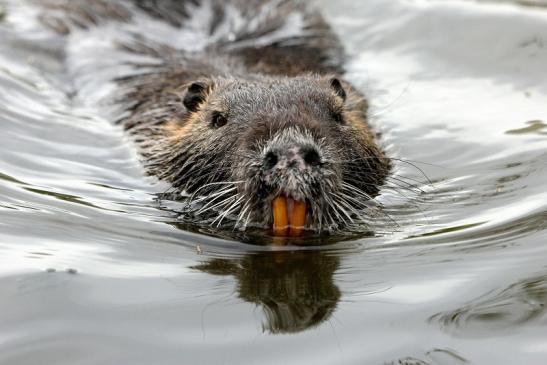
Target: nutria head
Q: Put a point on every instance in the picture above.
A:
(284, 153)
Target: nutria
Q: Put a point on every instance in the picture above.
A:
(252, 124)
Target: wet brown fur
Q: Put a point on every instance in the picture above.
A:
(180, 145)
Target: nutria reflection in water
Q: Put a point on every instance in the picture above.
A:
(295, 290)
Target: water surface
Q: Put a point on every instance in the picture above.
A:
(95, 270)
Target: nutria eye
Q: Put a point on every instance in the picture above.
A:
(219, 120)
(337, 117)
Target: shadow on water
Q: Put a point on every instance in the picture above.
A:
(436, 356)
(534, 127)
(295, 289)
(498, 311)
(8, 178)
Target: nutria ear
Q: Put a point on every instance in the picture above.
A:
(337, 87)
(195, 95)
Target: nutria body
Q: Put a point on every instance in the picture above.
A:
(255, 111)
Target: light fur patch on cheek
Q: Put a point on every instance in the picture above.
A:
(356, 121)
(175, 131)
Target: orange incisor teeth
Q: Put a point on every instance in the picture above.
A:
(298, 219)
(289, 216)
(280, 216)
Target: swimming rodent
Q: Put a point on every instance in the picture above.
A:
(240, 106)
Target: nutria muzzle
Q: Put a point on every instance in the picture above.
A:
(291, 182)
(289, 163)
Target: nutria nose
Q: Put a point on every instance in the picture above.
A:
(299, 157)
(270, 160)
(310, 155)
